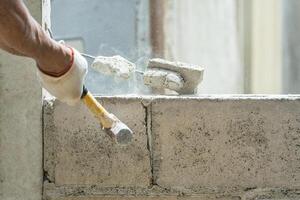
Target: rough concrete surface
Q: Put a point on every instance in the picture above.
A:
(206, 148)
(192, 75)
(224, 145)
(78, 152)
(272, 194)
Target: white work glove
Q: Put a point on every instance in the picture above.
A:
(68, 87)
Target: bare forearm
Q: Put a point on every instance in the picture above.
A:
(22, 35)
(17, 28)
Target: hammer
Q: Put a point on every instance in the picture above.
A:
(117, 130)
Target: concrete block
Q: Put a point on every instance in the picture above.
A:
(226, 144)
(78, 152)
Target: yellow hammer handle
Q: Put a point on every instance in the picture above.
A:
(98, 110)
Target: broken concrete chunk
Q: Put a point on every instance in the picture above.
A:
(115, 65)
(184, 78)
(160, 79)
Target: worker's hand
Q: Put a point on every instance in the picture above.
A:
(68, 87)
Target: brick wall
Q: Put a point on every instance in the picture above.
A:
(206, 148)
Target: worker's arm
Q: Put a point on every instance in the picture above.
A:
(61, 69)
(20, 34)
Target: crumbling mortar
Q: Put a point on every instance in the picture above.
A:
(46, 176)
(48, 105)
(155, 191)
(43, 145)
(148, 122)
(270, 193)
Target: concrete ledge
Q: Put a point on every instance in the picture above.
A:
(208, 147)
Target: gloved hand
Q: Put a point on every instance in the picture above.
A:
(68, 87)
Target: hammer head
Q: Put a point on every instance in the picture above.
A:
(120, 133)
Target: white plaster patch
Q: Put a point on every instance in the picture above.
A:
(114, 66)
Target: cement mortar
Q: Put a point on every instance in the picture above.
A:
(115, 65)
(87, 192)
(272, 194)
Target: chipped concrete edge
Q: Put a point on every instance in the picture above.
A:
(147, 99)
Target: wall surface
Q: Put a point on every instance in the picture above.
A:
(263, 47)
(205, 33)
(20, 124)
(205, 148)
(291, 51)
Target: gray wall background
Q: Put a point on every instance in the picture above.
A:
(106, 28)
(291, 46)
(109, 27)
